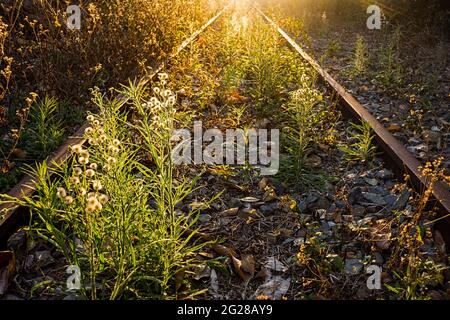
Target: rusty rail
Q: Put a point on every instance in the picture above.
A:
(395, 154)
(12, 216)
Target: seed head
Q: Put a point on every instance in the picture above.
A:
(97, 185)
(90, 173)
(69, 200)
(61, 193)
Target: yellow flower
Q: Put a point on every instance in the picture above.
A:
(84, 153)
(75, 180)
(61, 193)
(77, 148)
(112, 160)
(93, 205)
(93, 166)
(102, 138)
(97, 185)
(90, 173)
(91, 199)
(69, 200)
(103, 198)
(113, 149)
(83, 160)
(163, 76)
(77, 171)
(98, 206)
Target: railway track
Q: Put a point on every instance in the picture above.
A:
(396, 155)
(399, 159)
(393, 152)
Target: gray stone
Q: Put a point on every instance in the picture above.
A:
(433, 136)
(402, 201)
(378, 190)
(353, 266)
(358, 210)
(364, 221)
(435, 129)
(373, 209)
(372, 182)
(324, 227)
(421, 148)
(354, 195)
(234, 202)
(384, 174)
(204, 218)
(414, 141)
(378, 258)
(29, 260)
(332, 208)
(331, 224)
(17, 241)
(311, 199)
(302, 206)
(340, 204)
(72, 296)
(267, 209)
(390, 200)
(374, 198)
(44, 258)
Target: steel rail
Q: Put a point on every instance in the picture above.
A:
(11, 216)
(394, 153)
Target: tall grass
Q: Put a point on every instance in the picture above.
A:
(111, 215)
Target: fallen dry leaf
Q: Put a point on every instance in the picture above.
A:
(393, 128)
(223, 250)
(7, 267)
(236, 97)
(229, 212)
(245, 267)
(250, 199)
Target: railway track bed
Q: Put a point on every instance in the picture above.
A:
(334, 207)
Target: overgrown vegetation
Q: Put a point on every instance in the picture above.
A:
(140, 227)
(114, 217)
(361, 146)
(415, 270)
(40, 56)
